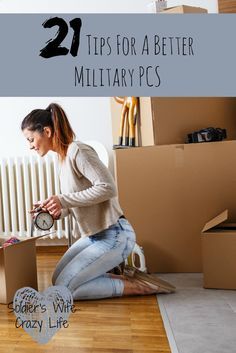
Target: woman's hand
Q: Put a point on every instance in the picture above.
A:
(53, 206)
(36, 208)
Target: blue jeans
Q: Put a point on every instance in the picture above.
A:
(84, 265)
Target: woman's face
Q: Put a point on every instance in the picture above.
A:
(40, 142)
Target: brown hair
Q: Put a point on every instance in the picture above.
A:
(55, 118)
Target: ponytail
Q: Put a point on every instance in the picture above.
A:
(55, 118)
(63, 133)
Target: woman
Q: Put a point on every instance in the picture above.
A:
(88, 192)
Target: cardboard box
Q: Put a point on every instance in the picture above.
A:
(183, 9)
(227, 6)
(168, 120)
(169, 192)
(17, 268)
(218, 240)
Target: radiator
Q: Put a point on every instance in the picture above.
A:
(23, 181)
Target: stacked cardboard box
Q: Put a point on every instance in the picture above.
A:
(169, 189)
(169, 192)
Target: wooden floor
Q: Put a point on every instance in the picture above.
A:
(117, 325)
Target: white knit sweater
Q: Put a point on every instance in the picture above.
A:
(88, 190)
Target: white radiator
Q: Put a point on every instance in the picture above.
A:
(26, 180)
(23, 181)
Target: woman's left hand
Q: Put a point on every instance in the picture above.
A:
(53, 206)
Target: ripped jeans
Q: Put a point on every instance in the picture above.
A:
(82, 269)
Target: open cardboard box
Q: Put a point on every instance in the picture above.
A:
(18, 267)
(218, 241)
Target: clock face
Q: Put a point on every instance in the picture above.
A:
(44, 221)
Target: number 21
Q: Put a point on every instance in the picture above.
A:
(53, 47)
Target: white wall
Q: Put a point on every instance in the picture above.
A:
(90, 117)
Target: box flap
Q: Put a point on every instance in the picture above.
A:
(34, 238)
(22, 240)
(216, 221)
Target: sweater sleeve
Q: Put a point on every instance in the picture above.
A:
(64, 213)
(102, 186)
